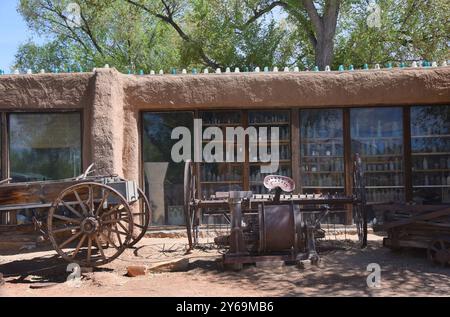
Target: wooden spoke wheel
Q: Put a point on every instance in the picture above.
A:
(360, 208)
(141, 212)
(190, 211)
(90, 224)
(439, 251)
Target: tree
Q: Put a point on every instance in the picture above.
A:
(155, 34)
(415, 30)
(110, 32)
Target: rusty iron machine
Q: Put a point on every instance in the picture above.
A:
(90, 220)
(279, 226)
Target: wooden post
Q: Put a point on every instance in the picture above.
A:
(407, 153)
(348, 163)
(246, 166)
(295, 149)
(4, 158)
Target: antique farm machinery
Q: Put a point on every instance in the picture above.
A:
(417, 226)
(275, 226)
(90, 220)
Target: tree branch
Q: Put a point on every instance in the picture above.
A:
(259, 13)
(314, 16)
(169, 19)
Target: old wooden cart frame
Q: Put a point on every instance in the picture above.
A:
(90, 220)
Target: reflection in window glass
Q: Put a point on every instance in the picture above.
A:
(322, 151)
(377, 135)
(218, 177)
(163, 177)
(430, 148)
(270, 119)
(44, 146)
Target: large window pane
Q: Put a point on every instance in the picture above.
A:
(277, 119)
(322, 151)
(163, 177)
(218, 177)
(44, 146)
(377, 135)
(430, 147)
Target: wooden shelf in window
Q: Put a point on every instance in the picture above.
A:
(432, 170)
(430, 153)
(221, 182)
(378, 138)
(322, 172)
(323, 187)
(231, 125)
(431, 186)
(383, 187)
(396, 171)
(322, 140)
(284, 162)
(431, 136)
(381, 155)
(269, 123)
(322, 156)
(275, 142)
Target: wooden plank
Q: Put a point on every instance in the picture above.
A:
(390, 242)
(411, 220)
(295, 149)
(18, 194)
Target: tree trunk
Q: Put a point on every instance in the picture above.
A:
(324, 30)
(324, 52)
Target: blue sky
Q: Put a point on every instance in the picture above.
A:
(13, 32)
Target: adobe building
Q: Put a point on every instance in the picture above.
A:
(54, 126)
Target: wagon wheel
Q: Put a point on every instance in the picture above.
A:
(85, 220)
(439, 251)
(142, 217)
(359, 209)
(190, 191)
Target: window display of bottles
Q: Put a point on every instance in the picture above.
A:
(269, 119)
(377, 135)
(221, 176)
(322, 150)
(221, 118)
(430, 148)
(212, 172)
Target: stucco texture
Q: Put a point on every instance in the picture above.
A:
(111, 102)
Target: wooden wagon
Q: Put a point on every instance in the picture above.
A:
(416, 226)
(90, 220)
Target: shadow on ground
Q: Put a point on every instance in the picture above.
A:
(342, 272)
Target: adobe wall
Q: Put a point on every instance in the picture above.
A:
(111, 102)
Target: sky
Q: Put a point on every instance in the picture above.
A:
(13, 32)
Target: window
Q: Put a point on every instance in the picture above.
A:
(278, 119)
(164, 178)
(377, 135)
(430, 149)
(322, 151)
(44, 146)
(217, 177)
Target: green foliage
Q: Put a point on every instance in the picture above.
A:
(161, 34)
(410, 30)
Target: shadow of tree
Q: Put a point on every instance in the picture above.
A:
(343, 272)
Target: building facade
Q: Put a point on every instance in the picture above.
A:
(54, 125)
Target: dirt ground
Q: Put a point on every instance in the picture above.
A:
(342, 272)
